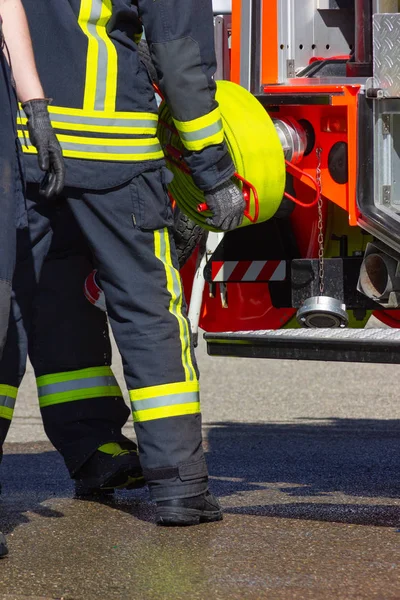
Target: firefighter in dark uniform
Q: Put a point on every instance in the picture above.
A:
(105, 113)
(16, 45)
(62, 333)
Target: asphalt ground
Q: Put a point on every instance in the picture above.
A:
(305, 459)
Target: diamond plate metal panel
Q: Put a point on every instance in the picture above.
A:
(386, 45)
(378, 335)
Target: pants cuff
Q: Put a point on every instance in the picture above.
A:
(183, 481)
(173, 490)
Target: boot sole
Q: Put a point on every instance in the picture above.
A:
(81, 491)
(186, 516)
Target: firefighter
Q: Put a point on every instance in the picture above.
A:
(105, 111)
(63, 333)
(16, 45)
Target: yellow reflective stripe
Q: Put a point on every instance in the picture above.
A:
(176, 284)
(98, 114)
(109, 129)
(78, 384)
(92, 54)
(158, 155)
(166, 411)
(202, 132)
(151, 130)
(163, 401)
(73, 375)
(102, 59)
(101, 114)
(111, 142)
(111, 75)
(208, 136)
(134, 123)
(174, 287)
(81, 394)
(197, 146)
(199, 123)
(134, 149)
(93, 382)
(8, 395)
(164, 390)
(8, 390)
(6, 413)
(167, 400)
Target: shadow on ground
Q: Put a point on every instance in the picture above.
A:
(31, 474)
(310, 461)
(354, 456)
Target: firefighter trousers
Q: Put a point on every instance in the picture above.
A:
(65, 336)
(12, 205)
(12, 208)
(129, 229)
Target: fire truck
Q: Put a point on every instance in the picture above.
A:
(310, 94)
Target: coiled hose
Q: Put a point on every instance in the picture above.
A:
(253, 144)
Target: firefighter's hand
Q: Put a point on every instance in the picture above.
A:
(42, 136)
(227, 206)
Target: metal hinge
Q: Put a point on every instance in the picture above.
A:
(386, 194)
(290, 69)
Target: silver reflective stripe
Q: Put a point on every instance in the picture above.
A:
(102, 55)
(176, 293)
(201, 134)
(110, 149)
(96, 148)
(7, 402)
(101, 121)
(104, 122)
(77, 384)
(169, 400)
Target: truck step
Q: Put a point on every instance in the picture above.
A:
(347, 345)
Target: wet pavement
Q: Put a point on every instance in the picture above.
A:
(305, 459)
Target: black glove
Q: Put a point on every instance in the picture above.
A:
(42, 136)
(227, 205)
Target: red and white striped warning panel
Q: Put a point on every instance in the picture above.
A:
(248, 270)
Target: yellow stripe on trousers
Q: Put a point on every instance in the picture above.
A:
(8, 395)
(102, 58)
(165, 401)
(174, 287)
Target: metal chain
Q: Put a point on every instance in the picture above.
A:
(321, 272)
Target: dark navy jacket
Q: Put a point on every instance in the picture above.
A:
(103, 103)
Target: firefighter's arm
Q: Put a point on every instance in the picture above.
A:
(30, 93)
(17, 37)
(180, 35)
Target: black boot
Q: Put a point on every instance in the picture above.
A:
(189, 511)
(3, 546)
(111, 467)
